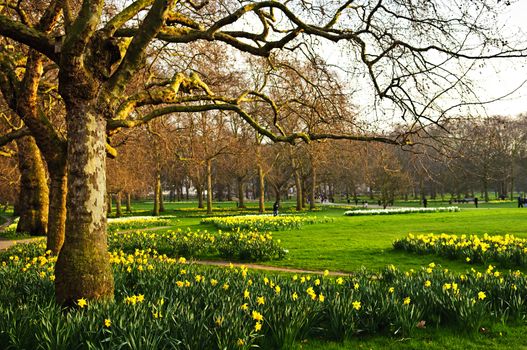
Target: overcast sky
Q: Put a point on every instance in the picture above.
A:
(509, 74)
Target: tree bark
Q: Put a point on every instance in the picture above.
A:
(312, 204)
(298, 186)
(209, 186)
(161, 198)
(199, 193)
(57, 206)
(34, 193)
(83, 269)
(128, 202)
(109, 204)
(118, 211)
(157, 194)
(261, 185)
(241, 192)
(229, 193)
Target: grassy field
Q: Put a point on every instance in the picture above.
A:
(350, 243)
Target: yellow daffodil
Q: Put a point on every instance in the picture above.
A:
(82, 303)
(257, 316)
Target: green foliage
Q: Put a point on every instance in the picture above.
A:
(249, 246)
(161, 302)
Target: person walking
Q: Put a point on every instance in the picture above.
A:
(520, 201)
(476, 201)
(276, 205)
(425, 202)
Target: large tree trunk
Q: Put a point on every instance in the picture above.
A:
(209, 186)
(57, 207)
(83, 269)
(241, 192)
(34, 193)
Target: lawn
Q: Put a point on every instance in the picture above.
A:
(349, 243)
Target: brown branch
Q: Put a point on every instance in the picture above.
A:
(136, 50)
(13, 135)
(125, 15)
(28, 36)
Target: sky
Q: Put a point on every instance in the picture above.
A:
(505, 76)
(503, 80)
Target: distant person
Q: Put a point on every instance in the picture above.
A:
(365, 205)
(425, 202)
(520, 202)
(476, 201)
(276, 205)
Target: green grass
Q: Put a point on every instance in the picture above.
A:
(349, 243)
(500, 337)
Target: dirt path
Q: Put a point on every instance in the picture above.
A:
(7, 243)
(157, 228)
(8, 221)
(266, 268)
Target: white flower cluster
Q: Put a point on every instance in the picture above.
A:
(400, 211)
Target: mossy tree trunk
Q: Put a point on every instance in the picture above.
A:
(83, 269)
(34, 193)
(57, 206)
